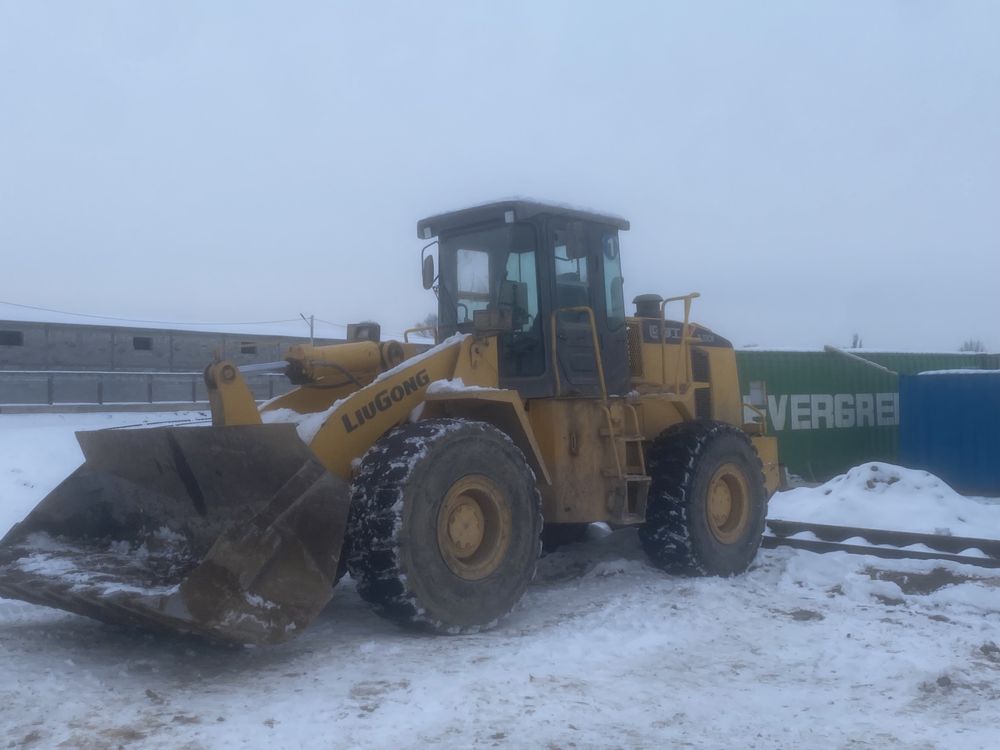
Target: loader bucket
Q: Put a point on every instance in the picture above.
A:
(233, 533)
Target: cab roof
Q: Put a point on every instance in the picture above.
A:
(522, 209)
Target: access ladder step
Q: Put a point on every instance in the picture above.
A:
(640, 478)
(606, 433)
(627, 502)
(627, 476)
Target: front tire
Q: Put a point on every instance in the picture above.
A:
(707, 501)
(445, 525)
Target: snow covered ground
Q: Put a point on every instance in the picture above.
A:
(804, 651)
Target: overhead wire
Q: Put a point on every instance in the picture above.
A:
(141, 320)
(174, 322)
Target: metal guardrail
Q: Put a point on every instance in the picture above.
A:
(895, 545)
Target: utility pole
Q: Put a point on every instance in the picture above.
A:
(311, 321)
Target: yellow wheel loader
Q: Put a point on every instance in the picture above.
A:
(431, 473)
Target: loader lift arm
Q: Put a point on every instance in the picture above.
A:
(342, 425)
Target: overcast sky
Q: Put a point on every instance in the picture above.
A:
(814, 169)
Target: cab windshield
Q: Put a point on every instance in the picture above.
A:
(484, 270)
(494, 269)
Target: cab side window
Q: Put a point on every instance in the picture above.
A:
(571, 280)
(614, 283)
(522, 350)
(522, 283)
(473, 273)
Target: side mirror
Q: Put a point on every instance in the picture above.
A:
(428, 271)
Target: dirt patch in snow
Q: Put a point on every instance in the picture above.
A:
(929, 582)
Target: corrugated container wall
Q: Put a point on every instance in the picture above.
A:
(831, 412)
(950, 426)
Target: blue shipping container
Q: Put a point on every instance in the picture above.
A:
(949, 425)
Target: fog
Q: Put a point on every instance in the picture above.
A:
(815, 170)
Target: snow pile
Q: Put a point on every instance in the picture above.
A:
(883, 496)
(960, 372)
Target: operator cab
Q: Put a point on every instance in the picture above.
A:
(535, 273)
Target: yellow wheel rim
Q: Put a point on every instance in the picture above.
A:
(728, 506)
(473, 527)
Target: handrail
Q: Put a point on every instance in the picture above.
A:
(597, 347)
(614, 448)
(684, 358)
(418, 329)
(638, 432)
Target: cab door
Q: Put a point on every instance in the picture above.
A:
(587, 274)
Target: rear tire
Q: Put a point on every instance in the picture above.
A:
(444, 526)
(707, 501)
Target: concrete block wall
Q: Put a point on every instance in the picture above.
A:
(77, 349)
(124, 389)
(25, 388)
(32, 354)
(77, 389)
(126, 355)
(58, 363)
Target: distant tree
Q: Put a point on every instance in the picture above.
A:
(430, 321)
(856, 342)
(972, 345)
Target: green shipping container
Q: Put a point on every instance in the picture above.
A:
(830, 411)
(909, 363)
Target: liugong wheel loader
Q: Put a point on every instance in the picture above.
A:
(428, 473)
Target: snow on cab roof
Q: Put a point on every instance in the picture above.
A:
(522, 208)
